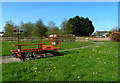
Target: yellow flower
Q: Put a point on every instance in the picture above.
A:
(54, 67)
(25, 67)
(36, 68)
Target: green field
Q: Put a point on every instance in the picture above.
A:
(7, 46)
(98, 63)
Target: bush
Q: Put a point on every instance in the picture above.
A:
(115, 36)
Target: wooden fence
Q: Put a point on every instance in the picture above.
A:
(21, 39)
(63, 38)
(79, 39)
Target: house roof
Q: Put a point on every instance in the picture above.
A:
(101, 31)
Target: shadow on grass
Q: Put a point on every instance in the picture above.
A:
(47, 55)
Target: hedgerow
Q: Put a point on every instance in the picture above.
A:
(115, 36)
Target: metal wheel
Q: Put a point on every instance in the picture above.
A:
(23, 57)
(28, 55)
(34, 55)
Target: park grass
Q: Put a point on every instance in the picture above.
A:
(99, 41)
(98, 63)
(7, 46)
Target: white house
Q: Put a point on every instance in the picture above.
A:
(101, 33)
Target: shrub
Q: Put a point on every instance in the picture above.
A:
(115, 36)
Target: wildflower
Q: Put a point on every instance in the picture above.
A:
(36, 68)
(25, 67)
(54, 67)
(73, 65)
(94, 72)
(104, 62)
(78, 76)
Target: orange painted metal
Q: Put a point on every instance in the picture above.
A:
(41, 47)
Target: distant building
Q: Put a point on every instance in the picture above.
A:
(1, 33)
(101, 33)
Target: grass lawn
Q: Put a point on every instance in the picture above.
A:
(99, 41)
(98, 63)
(7, 46)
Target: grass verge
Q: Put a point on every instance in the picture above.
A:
(98, 63)
(7, 46)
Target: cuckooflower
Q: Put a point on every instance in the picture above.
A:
(78, 76)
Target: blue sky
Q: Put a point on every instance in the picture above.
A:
(104, 15)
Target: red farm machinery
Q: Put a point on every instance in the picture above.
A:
(40, 51)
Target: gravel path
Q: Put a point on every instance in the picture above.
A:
(96, 43)
(7, 59)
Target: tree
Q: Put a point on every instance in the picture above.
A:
(27, 29)
(41, 29)
(9, 28)
(116, 29)
(54, 30)
(51, 25)
(64, 26)
(80, 26)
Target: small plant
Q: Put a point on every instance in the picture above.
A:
(115, 36)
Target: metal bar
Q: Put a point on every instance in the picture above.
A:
(26, 44)
(59, 42)
(53, 41)
(49, 40)
(43, 39)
